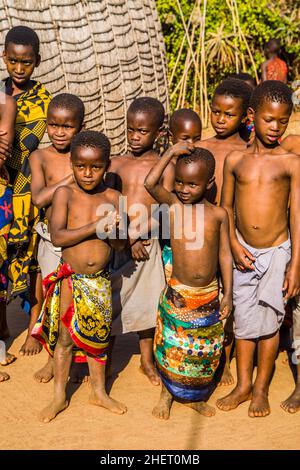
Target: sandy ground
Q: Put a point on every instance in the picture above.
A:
(83, 426)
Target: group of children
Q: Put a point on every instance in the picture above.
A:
(231, 255)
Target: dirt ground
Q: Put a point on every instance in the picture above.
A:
(83, 426)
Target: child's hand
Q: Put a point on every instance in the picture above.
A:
(5, 148)
(225, 307)
(291, 284)
(242, 257)
(181, 148)
(113, 220)
(138, 250)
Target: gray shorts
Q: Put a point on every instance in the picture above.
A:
(257, 295)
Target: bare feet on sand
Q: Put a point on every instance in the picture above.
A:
(259, 406)
(102, 399)
(163, 407)
(202, 408)
(9, 359)
(3, 376)
(292, 404)
(227, 377)
(30, 347)
(52, 410)
(234, 399)
(46, 373)
(148, 369)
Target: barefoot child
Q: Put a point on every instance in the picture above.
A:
(228, 110)
(21, 57)
(292, 404)
(189, 333)
(134, 304)
(50, 169)
(258, 183)
(78, 299)
(8, 112)
(185, 126)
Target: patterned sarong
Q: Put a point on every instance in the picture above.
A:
(188, 340)
(88, 318)
(30, 127)
(5, 222)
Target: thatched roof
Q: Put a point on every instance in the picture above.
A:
(105, 51)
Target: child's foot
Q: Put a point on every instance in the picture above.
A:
(148, 368)
(46, 373)
(3, 376)
(202, 408)
(259, 406)
(234, 399)
(163, 407)
(79, 374)
(227, 377)
(106, 402)
(52, 410)
(8, 360)
(79, 379)
(292, 404)
(30, 347)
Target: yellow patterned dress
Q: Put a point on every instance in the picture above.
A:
(30, 127)
(88, 318)
(5, 222)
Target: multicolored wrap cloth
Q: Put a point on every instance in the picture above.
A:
(30, 127)
(188, 340)
(5, 222)
(167, 259)
(88, 318)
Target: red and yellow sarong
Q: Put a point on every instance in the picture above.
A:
(88, 318)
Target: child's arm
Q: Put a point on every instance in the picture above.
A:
(226, 266)
(242, 257)
(42, 195)
(8, 112)
(292, 277)
(119, 239)
(152, 181)
(60, 235)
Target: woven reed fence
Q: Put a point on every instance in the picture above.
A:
(105, 51)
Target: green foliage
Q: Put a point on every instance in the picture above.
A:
(259, 21)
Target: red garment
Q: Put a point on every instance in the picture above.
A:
(277, 70)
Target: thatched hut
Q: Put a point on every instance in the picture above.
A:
(105, 51)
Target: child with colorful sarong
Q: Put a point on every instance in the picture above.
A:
(260, 184)
(228, 111)
(292, 404)
(50, 169)
(184, 126)
(134, 304)
(21, 57)
(189, 333)
(77, 310)
(8, 112)
(274, 68)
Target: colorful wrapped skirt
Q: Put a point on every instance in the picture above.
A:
(88, 318)
(188, 340)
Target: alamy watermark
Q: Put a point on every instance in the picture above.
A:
(138, 221)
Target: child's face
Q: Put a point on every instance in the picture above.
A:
(141, 132)
(191, 181)
(62, 125)
(89, 167)
(187, 131)
(20, 62)
(226, 115)
(270, 121)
